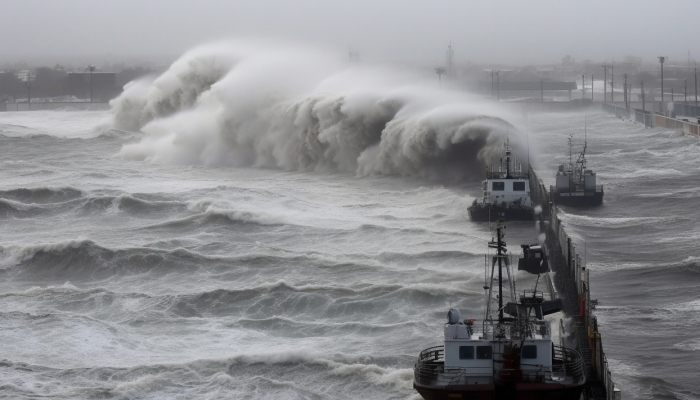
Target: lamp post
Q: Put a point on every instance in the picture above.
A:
(605, 83)
(661, 60)
(612, 83)
(498, 86)
(91, 68)
(28, 78)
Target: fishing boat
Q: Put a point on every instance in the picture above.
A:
(506, 192)
(575, 183)
(512, 354)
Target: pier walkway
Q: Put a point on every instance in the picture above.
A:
(572, 285)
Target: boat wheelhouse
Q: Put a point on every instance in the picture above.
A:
(506, 192)
(512, 355)
(575, 183)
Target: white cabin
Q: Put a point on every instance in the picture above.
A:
(507, 190)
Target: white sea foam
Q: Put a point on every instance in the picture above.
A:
(293, 107)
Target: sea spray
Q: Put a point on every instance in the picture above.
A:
(297, 108)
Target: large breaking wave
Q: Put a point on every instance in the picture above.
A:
(246, 103)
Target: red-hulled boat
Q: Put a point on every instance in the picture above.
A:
(513, 355)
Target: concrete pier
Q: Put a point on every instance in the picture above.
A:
(572, 283)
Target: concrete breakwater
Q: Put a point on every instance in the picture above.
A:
(653, 120)
(571, 281)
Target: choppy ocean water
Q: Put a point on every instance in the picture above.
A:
(125, 278)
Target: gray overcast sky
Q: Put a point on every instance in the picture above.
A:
(508, 31)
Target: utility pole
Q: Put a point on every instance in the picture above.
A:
(583, 86)
(498, 86)
(491, 84)
(612, 83)
(450, 58)
(29, 94)
(661, 60)
(605, 83)
(591, 87)
(91, 68)
(28, 79)
(685, 91)
(696, 87)
(625, 92)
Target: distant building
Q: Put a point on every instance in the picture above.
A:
(26, 75)
(568, 61)
(103, 85)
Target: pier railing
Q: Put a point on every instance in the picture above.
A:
(620, 112)
(652, 120)
(572, 283)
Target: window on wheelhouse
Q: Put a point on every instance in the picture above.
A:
(529, 351)
(466, 352)
(518, 186)
(483, 352)
(499, 186)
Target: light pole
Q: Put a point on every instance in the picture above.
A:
(591, 87)
(612, 83)
(661, 60)
(625, 92)
(91, 68)
(498, 87)
(28, 78)
(605, 83)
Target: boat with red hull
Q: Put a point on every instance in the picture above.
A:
(513, 355)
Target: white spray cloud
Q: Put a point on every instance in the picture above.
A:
(287, 106)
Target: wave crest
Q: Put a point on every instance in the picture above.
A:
(295, 108)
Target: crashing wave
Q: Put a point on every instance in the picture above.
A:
(285, 106)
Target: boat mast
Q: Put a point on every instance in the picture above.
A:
(500, 246)
(500, 275)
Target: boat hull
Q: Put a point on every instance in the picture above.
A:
(515, 391)
(578, 199)
(487, 213)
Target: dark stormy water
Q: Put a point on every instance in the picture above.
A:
(641, 247)
(260, 223)
(130, 279)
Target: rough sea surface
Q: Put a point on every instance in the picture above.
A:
(127, 278)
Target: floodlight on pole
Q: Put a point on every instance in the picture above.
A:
(661, 60)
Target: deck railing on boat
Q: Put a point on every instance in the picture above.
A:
(430, 370)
